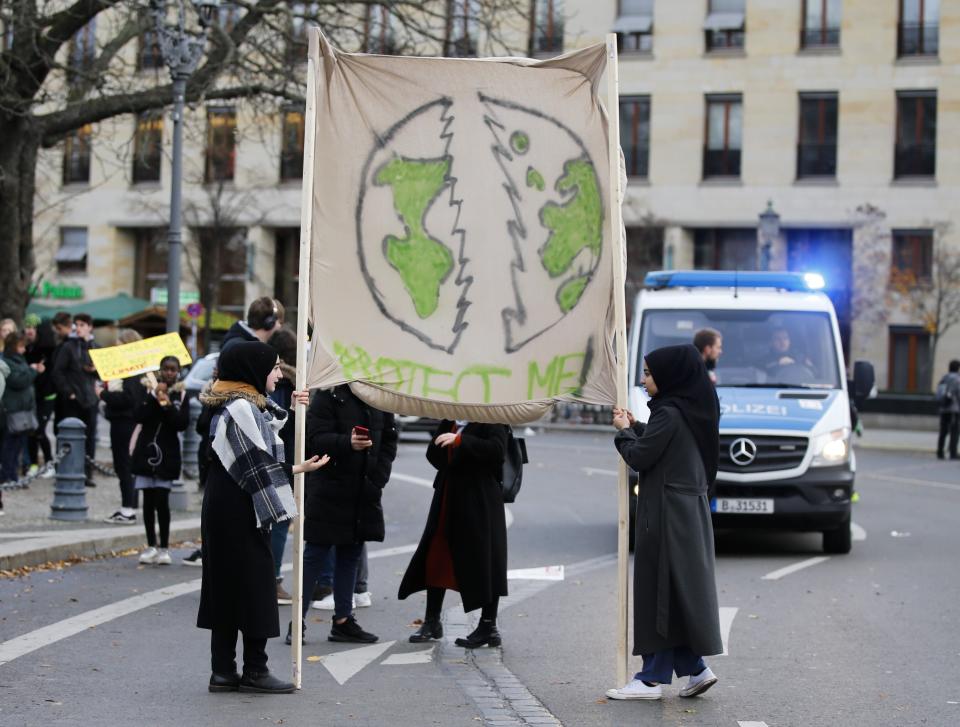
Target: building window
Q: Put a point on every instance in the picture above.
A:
(291, 144)
(148, 147)
(152, 258)
(149, 56)
(918, 33)
(546, 27)
(821, 24)
(72, 255)
(817, 149)
(462, 30)
(721, 156)
(221, 144)
(378, 30)
(912, 258)
(635, 134)
(223, 268)
(83, 51)
(297, 44)
(916, 149)
(724, 25)
(909, 359)
(724, 248)
(634, 26)
(287, 270)
(76, 156)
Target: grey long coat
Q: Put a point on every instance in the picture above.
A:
(675, 591)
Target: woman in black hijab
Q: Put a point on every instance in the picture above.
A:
(247, 492)
(676, 619)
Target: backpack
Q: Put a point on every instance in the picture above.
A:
(511, 477)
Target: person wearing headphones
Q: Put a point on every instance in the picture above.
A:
(264, 317)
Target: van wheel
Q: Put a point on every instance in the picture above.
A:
(838, 541)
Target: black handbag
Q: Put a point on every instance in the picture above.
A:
(511, 477)
(21, 422)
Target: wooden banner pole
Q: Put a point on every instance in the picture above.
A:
(303, 312)
(620, 310)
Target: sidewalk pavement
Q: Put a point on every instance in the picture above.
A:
(29, 537)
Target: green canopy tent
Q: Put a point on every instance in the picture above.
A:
(104, 311)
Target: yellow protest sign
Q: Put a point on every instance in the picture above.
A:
(139, 357)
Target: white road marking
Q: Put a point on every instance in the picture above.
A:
(859, 534)
(751, 724)
(912, 481)
(781, 572)
(546, 573)
(424, 656)
(590, 471)
(387, 552)
(727, 614)
(344, 664)
(422, 481)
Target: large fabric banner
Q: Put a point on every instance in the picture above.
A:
(461, 240)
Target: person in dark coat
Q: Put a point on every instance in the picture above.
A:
(162, 413)
(342, 502)
(18, 404)
(284, 342)
(122, 399)
(247, 492)
(39, 351)
(675, 613)
(464, 544)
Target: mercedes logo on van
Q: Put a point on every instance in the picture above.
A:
(743, 451)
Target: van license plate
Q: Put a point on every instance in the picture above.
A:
(742, 506)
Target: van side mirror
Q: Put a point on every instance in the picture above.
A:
(863, 381)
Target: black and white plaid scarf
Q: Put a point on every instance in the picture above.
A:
(248, 443)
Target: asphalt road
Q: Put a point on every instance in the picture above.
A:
(870, 638)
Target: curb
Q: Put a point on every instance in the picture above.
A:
(45, 549)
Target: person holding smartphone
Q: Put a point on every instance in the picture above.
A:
(342, 508)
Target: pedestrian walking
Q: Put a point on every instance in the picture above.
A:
(163, 412)
(19, 405)
(948, 402)
(122, 398)
(342, 502)
(40, 346)
(247, 492)
(464, 544)
(675, 613)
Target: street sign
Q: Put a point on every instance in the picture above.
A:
(195, 310)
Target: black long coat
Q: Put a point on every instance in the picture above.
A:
(239, 587)
(476, 527)
(342, 500)
(160, 426)
(675, 591)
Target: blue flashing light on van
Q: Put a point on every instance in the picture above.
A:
(786, 460)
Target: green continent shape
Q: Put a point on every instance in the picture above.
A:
(519, 142)
(569, 294)
(535, 179)
(422, 261)
(576, 224)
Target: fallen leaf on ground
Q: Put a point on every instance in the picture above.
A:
(314, 658)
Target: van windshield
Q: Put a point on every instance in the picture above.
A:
(760, 348)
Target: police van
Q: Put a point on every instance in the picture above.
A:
(786, 460)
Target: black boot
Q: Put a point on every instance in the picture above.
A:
(224, 682)
(303, 634)
(264, 683)
(485, 633)
(429, 630)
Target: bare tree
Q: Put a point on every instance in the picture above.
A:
(55, 78)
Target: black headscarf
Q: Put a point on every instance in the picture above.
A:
(249, 362)
(683, 383)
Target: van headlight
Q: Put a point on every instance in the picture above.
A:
(831, 449)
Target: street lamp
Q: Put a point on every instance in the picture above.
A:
(181, 50)
(768, 230)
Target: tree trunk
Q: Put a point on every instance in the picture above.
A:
(19, 143)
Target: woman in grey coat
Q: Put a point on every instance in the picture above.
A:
(676, 620)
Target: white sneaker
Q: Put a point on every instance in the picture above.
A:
(163, 557)
(699, 684)
(327, 604)
(362, 600)
(636, 689)
(149, 556)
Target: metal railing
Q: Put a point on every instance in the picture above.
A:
(721, 162)
(918, 39)
(725, 39)
(823, 37)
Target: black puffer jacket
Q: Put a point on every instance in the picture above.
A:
(157, 450)
(343, 499)
(123, 403)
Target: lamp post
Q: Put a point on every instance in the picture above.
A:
(768, 230)
(181, 50)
